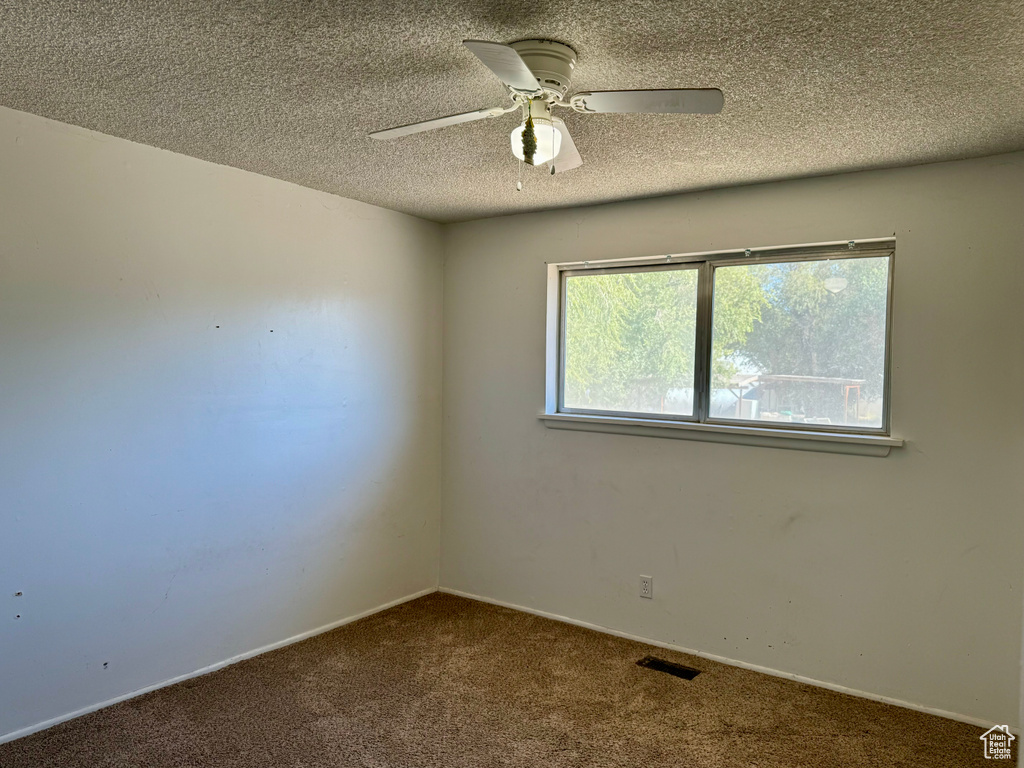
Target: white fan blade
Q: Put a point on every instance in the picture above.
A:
(505, 62)
(699, 101)
(439, 122)
(568, 156)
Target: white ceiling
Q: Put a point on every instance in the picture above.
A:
(290, 88)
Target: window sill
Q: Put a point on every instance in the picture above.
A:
(828, 442)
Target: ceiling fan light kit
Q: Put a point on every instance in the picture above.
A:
(547, 136)
(538, 74)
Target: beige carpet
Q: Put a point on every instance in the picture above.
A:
(444, 681)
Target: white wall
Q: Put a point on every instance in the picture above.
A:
(898, 577)
(219, 413)
(174, 493)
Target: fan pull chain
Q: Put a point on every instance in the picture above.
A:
(519, 184)
(552, 146)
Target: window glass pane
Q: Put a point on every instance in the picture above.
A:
(629, 341)
(802, 342)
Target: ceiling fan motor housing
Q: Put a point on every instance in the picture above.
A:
(551, 63)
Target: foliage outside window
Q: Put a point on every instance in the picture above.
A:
(790, 339)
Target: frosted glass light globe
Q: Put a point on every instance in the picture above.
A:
(549, 140)
(835, 284)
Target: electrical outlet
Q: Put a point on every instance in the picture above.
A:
(647, 587)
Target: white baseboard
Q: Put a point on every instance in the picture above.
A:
(731, 662)
(598, 628)
(212, 667)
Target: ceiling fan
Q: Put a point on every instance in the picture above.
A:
(537, 74)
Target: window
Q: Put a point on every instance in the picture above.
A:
(787, 339)
(630, 340)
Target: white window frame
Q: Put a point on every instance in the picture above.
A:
(862, 440)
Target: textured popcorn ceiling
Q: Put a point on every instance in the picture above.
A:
(290, 88)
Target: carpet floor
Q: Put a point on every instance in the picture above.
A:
(445, 681)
